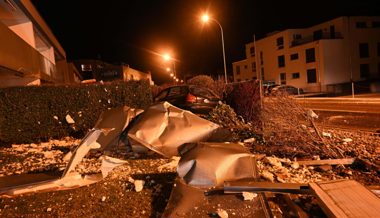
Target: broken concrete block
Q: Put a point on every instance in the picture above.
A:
(222, 213)
(249, 196)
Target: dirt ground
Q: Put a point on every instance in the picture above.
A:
(116, 196)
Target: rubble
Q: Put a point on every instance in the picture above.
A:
(139, 185)
(249, 196)
(69, 119)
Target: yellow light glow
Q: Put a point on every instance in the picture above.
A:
(174, 77)
(176, 80)
(171, 75)
(205, 18)
(166, 57)
(168, 69)
(181, 80)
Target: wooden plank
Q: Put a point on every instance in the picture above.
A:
(345, 161)
(346, 199)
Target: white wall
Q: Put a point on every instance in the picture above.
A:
(26, 32)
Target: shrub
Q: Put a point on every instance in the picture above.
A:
(244, 98)
(201, 80)
(33, 114)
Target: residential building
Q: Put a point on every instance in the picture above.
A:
(319, 58)
(102, 71)
(30, 54)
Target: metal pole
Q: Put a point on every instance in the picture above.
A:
(224, 54)
(258, 74)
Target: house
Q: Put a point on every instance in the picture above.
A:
(317, 59)
(30, 54)
(103, 71)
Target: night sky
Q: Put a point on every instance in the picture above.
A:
(134, 32)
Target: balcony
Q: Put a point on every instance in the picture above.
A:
(21, 58)
(311, 38)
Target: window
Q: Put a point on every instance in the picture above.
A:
(253, 66)
(245, 66)
(363, 50)
(162, 95)
(295, 75)
(174, 91)
(238, 70)
(378, 49)
(262, 73)
(281, 61)
(261, 58)
(294, 56)
(364, 70)
(252, 51)
(280, 43)
(332, 31)
(283, 78)
(317, 34)
(297, 36)
(310, 55)
(86, 67)
(238, 80)
(376, 24)
(311, 76)
(361, 25)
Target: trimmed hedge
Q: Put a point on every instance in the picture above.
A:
(37, 113)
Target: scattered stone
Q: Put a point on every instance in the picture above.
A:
(347, 140)
(273, 161)
(249, 196)
(312, 114)
(55, 117)
(250, 140)
(139, 185)
(326, 134)
(222, 213)
(103, 198)
(48, 210)
(69, 119)
(295, 165)
(267, 175)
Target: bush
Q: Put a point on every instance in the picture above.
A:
(218, 86)
(33, 114)
(244, 98)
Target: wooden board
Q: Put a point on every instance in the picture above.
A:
(346, 161)
(346, 198)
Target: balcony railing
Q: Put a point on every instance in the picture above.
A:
(307, 39)
(17, 55)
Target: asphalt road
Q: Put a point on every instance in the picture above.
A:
(356, 105)
(359, 114)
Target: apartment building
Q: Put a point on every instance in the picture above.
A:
(320, 58)
(30, 54)
(100, 70)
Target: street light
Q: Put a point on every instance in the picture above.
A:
(167, 57)
(168, 69)
(205, 18)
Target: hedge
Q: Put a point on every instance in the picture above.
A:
(37, 113)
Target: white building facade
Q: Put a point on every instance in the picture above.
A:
(29, 52)
(316, 59)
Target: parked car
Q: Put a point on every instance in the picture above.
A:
(268, 88)
(189, 97)
(290, 90)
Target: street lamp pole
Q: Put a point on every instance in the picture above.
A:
(205, 18)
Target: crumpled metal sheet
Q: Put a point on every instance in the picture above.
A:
(164, 127)
(189, 201)
(107, 130)
(34, 182)
(211, 164)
